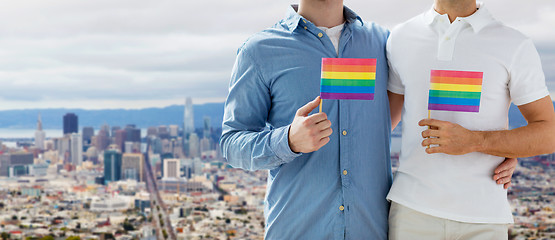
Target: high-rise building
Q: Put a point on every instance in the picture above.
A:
(106, 128)
(132, 134)
(188, 118)
(174, 130)
(87, 132)
(171, 168)
(71, 124)
(114, 130)
(40, 135)
(194, 145)
(132, 166)
(112, 166)
(205, 145)
(15, 164)
(102, 140)
(120, 137)
(151, 131)
(207, 128)
(76, 149)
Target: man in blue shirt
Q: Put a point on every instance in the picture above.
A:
(329, 173)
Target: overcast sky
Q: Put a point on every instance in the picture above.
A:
(137, 53)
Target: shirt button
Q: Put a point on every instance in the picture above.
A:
(305, 27)
(304, 21)
(320, 35)
(344, 133)
(341, 208)
(344, 172)
(447, 38)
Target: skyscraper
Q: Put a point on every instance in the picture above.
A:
(171, 168)
(132, 166)
(174, 130)
(112, 166)
(120, 138)
(207, 128)
(76, 149)
(194, 145)
(71, 124)
(40, 136)
(102, 140)
(188, 118)
(87, 132)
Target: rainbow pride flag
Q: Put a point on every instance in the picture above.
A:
(348, 78)
(455, 91)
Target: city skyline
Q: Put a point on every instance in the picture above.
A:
(139, 54)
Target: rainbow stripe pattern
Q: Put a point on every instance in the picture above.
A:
(455, 91)
(348, 78)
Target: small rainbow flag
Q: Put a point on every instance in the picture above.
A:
(455, 91)
(348, 78)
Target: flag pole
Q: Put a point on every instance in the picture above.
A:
(429, 113)
(320, 104)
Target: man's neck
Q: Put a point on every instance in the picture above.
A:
(455, 8)
(323, 13)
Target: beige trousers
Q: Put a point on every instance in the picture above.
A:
(405, 223)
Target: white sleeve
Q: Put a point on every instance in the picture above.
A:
(394, 83)
(527, 81)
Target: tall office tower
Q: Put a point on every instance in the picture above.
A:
(64, 148)
(106, 128)
(128, 147)
(119, 140)
(207, 129)
(112, 166)
(171, 168)
(114, 130)
(40, 136)
(205, 145)
(188, 118)
(132, 134)
(76, 149)
(87, 132)
(102, 140)
(71, 124)
(152, 131)
(174, 130)
(194, 145)
(132, 166)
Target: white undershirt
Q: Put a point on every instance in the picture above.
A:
(334, 33)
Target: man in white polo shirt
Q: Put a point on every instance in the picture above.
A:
(462, 66)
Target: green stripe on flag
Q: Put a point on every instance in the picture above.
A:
(454, 94)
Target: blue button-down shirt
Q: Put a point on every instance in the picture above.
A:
(337, 192)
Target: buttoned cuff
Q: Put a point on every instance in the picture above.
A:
(279, 142)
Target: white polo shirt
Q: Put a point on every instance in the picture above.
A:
(458, 188)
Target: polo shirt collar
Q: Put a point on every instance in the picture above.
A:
(480, 19)
(293, 19)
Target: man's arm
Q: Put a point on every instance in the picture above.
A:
(246, 141)
(396, 102)
(538, 137)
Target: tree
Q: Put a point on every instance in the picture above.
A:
(5, 236)
(73, 238)
(47, 238)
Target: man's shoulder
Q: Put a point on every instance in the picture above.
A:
(371, 28)
(265, 38)
(408, 26)
(507, 33)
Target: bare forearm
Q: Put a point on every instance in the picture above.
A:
(534, 139)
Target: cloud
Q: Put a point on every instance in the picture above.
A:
(138, 53)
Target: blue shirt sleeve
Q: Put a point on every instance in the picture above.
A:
(246, 141)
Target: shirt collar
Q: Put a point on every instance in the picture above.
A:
(292, 18)
(480, 19)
